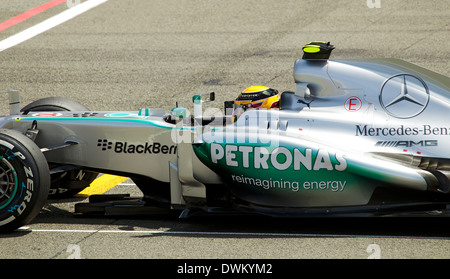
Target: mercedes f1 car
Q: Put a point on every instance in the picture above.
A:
(362, 137)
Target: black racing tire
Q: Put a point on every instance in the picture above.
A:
(67, 184)
(24, 180)
(54, 104)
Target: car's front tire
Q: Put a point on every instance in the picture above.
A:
(24, 180)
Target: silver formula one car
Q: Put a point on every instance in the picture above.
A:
(361, 137)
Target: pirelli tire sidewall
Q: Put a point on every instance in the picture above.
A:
(24, 180)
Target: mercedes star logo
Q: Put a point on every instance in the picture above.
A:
(404, 96)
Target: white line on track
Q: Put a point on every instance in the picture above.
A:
(229, 234)
(49, 24)
(199, 233)
(27, 229)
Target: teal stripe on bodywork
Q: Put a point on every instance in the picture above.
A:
(141, 121)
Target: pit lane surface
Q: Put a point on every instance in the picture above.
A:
(125, 55)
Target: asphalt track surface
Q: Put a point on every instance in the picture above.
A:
(126, 55)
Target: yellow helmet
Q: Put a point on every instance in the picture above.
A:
(258, 97)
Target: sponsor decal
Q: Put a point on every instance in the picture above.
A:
(423, 130)
(280, 158)
(301, 171)
(131, 148)
(85, 114)
(47, 114)
(404, 96)
(295, 186)
(406, 143)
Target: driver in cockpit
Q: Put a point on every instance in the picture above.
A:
(255, 97)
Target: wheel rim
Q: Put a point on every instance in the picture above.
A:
(8, 183)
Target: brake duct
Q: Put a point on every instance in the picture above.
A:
(443, 178)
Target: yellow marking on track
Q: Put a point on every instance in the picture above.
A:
(102, 184)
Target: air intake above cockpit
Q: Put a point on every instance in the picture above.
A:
(317, 50)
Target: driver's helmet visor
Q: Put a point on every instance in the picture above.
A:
(252, 97)
(246, 100)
